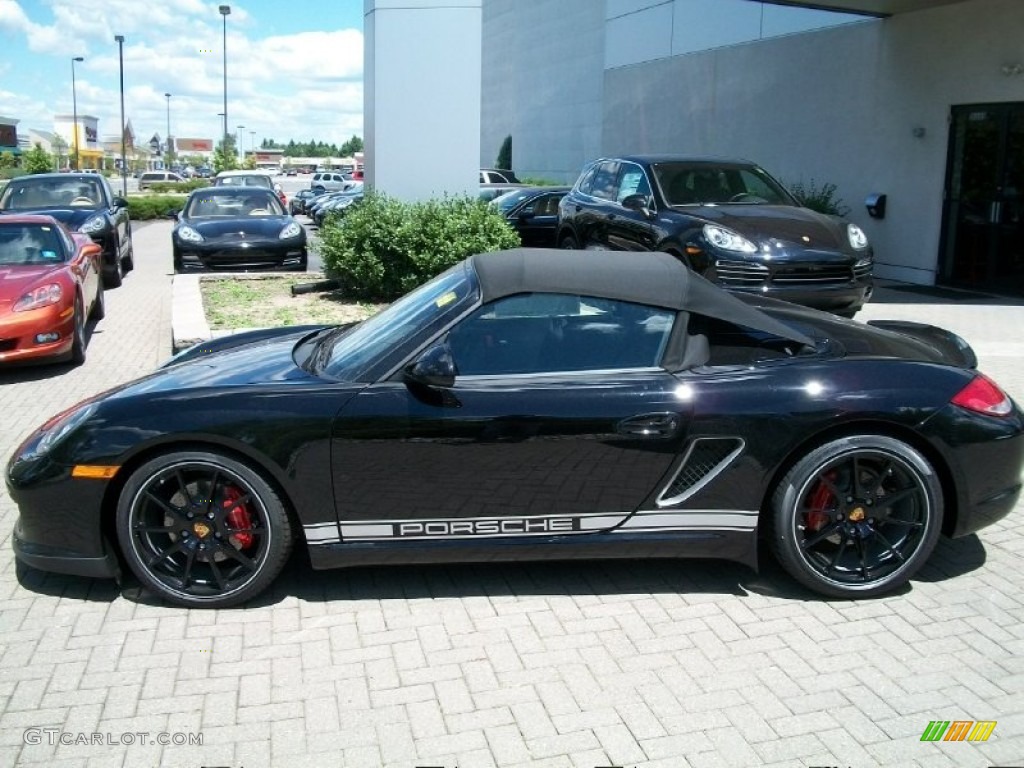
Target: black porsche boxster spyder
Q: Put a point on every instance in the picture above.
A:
(530, 404)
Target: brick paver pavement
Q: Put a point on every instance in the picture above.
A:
(698, 664)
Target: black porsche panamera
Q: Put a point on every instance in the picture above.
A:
(530, 404)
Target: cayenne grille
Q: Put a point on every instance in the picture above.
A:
(707, 456)
(797, 274)
(740, 272)
(860, 271)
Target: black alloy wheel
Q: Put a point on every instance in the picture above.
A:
(857, 516)
(202, 530)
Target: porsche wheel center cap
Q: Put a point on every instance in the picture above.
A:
(202, 530)
(856, 514)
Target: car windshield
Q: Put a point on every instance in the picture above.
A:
(710, 184)
(236, 203)
(27, 244)
(27, 193)
(388, 337)
(510, 200)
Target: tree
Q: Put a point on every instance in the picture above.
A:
(225, 156)
(37, 160)
(504, 160)
(250, 162)
(7, 160)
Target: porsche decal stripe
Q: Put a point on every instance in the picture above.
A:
(646, 521)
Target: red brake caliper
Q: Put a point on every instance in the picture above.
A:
(819, 503)
(238, 518)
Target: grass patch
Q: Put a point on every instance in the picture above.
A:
(267, 302)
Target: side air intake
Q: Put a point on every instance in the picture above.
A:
(706, 457)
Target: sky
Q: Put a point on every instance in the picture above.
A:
(294, 67)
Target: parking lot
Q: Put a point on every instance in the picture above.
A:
(692, 663)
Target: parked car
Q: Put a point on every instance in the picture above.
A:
(149, 178)
(298, 202)
(496, 176)
(330, 181)
(727, 220)
(250, 179)
(337, 206)
(533, 213)
(51, 281)
(570, 413)
(238, 228)
(83, 202)
(204, 172)
(490, 192)
(291, 172)
(316, 203)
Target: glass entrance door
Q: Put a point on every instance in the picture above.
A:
(983, 221)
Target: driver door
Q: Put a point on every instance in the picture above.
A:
(558, 422)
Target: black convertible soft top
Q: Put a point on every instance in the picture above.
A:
(653, 278)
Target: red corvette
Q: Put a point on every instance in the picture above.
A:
(50, 283)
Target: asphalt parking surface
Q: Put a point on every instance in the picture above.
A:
(688, 663)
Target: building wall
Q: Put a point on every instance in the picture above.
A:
(542, 83)
(839, 105)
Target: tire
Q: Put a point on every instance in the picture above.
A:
(78, 341)
(113, 277)
(99, 305)
(857, 516)
(175, 528)
(567, 242)
(129, 261)
(178, 263)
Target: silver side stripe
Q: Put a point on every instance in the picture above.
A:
(645, 521)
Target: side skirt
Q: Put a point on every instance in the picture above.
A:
(737, 546)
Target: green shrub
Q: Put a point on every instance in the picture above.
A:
(142, 207)
(181, 186)
(382, 248)
(537, 181)
(822, 199)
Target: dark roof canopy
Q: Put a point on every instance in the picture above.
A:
(654, 278)
(867, 7)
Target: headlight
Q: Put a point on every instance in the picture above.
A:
(93, 225)
(727, 240)
(290, 231)
(43, 296)
(858, 240)
(189, 235)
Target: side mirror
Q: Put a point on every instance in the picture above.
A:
(120, 202)
(435, 368)
(638, 203)
(527, 214)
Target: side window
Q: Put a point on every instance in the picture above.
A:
(604, 184)
(587, 183)
(548, 333)
(731, 344)
(632, 181)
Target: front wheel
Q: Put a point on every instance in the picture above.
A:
(567, 242)
(202, 530)
(857, 516)
(78, 339)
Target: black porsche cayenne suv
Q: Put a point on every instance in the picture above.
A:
(726, 219)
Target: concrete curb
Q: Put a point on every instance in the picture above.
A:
(188, 320)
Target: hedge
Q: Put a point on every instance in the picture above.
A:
(142, 207)
(382, 248)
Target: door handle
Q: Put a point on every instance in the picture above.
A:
(650, 425)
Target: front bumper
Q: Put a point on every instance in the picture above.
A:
(818, 284)
(59, 528)
(255, 254)
(19, 332)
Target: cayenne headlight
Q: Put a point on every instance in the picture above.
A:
(43, 296)
(727, 240)
(93, 224)
(858, 240)
(291, 230)
(189, 235)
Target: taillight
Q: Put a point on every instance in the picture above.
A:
(983, 396)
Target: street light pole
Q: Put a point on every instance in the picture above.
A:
(167, 161)
(74, 104)
(241, 150)
(224, 11)
(124, 165)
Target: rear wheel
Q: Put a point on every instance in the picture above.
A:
(202, 530)
(78, 341)
(857, 516)
(567, 242)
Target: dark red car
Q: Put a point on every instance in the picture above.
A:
(50, 283)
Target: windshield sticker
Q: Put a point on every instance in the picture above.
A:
(48, 254)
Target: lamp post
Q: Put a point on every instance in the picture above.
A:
(224, 11)
(74, 104)
(252, 143)
(241, 151)
(124, 164)
(167, 161)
